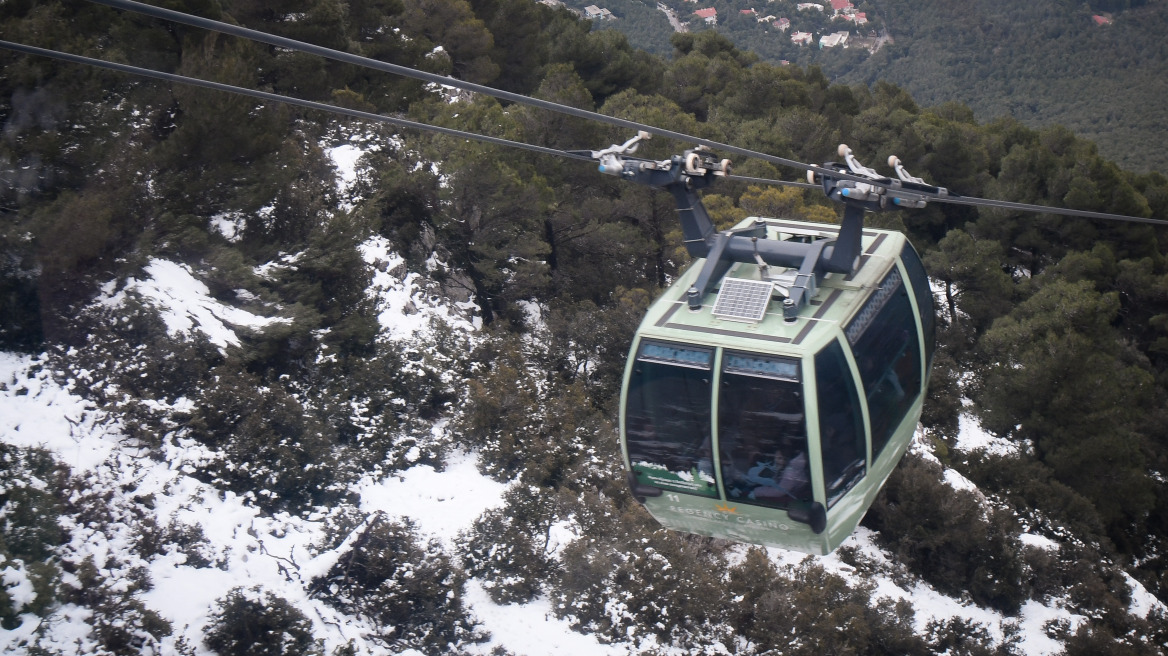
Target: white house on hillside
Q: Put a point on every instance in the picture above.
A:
(592, 12)
(833, 40)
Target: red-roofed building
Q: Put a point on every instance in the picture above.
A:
(710, 15)
(840, 5)
(1101, 20)
(782, 25)
(748, 12)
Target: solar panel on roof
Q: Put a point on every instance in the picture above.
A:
(743, 300)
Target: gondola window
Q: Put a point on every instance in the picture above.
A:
(667, 418)
(924, 295)
(762, 431)
(841, 434)
(887, 349)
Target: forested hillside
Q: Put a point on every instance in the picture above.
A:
(262, 326)
(1043, 63)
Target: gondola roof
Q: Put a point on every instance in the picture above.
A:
(834, 302)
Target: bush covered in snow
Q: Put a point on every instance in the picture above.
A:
(411, 591)
(247, 623)
(264, 441)
(953, 539)
(31, 501)
(508, 547)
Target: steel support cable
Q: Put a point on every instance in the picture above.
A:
(405, 71)
(957, 199)
(769, 181)
(288, 100)
(171, 77)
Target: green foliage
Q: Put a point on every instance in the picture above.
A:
(453, 25)
(268, 447)
(545, 434)
(971, 270)
(785, 202)
(125, 360)
(411, 592)
(246, 623)
(949, 537)
(508, 547)
(20, 312)
(30, 505)
(587, 343)
(605, 588)
(121, 623)
(1029, 61)
(815, 612)
(961, 637)
(1061, 379)
(1030, 489)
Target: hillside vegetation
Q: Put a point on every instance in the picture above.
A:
(1053, 333)
(1043, 63)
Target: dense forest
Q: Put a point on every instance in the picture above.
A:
(1053, 333)
(1043, 63)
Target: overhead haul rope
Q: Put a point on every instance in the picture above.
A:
(263, 95)
(949, 197)
(337, 55)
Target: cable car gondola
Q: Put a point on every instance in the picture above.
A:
(772, 388)
(738, 424)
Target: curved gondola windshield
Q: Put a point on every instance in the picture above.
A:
(841, 435)
(887, 349)
(762, 431)
(924, 295)
(667, 418)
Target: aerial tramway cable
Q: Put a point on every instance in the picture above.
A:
(263, 95)
(405, 71)
(927, 194)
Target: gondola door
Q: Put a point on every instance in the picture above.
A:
(667, 418)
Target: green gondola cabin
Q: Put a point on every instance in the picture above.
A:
(741, 421)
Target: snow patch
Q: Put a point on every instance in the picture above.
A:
(531, 628)
(971, 437)
(958, 482)
(441, 503)
(35, 412)
(230, 225)
(184, 303)
(406, 308)
(14, 579)
(1142, 601)
(345, 158)
(1038, 542)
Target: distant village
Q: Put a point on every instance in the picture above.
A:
(855, 29)
(591, 12)
(826, 23)
(834, 10)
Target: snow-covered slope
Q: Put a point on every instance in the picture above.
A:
(159, 535)
(279, 553)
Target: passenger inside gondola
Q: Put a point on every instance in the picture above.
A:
(781, 478)
(763, 436)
